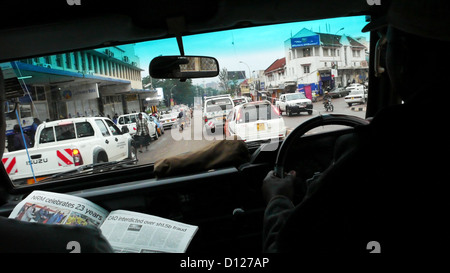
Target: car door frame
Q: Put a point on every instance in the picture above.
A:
(120, 141)
(107, 141)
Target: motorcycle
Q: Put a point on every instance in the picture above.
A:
(328, 105)
(181, 123)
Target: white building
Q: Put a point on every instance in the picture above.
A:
(315, 61)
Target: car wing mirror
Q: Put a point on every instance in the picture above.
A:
(183, 67)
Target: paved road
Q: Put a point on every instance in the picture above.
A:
(174, 142)
(340, 107)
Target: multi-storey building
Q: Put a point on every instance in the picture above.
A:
(314, 62)
(96, 82)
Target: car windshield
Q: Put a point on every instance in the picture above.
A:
(218, 105)
(297, 96)
(255, 112)
(108, 86)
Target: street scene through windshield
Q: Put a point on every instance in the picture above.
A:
(100, 105)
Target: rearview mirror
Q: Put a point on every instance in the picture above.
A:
(183, 67)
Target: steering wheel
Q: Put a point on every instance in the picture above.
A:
(321, 120)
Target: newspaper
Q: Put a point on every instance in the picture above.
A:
(126, 231)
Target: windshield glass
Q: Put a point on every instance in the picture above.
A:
(106, 87)
(218, 105)
(252, 113)
(297, 96)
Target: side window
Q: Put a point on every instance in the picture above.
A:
(47, 135)
(121, 120)
(65, 132)
(133, 118)
(102, 127)
(112, 127)
(84, 129)
(230, 115)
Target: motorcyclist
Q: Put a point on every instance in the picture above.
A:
(181, 118)
(326, 99)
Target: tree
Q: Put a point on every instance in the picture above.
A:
(223, 78)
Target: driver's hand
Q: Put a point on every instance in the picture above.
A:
(273, 186)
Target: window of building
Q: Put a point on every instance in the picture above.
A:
(333, 52)
(37, 93)
(76, 61)
(83, 61)
(101, 64)
(307, 52)
(96, 64)
(326, 52)
(59, 61)
(68, 60)
(356, 53)
(89, 61)
(306, 69)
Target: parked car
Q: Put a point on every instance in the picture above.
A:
(169, 120)
(64, 145)
(128, 122)
(355, 86)
(338, 92)
(160, 127)
(258, 121)
(356, 96)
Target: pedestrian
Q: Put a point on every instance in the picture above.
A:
(142, 132)
(18, 140)
(34, 126)
(115, 118)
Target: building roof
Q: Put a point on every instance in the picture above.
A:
(330, 39)
(304, 32)
(276, 65)
(327, 39)
(353, 42)
(244, 83)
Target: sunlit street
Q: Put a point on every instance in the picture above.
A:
(173, 142)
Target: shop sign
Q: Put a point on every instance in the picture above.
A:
(78, 92)
(305, 41)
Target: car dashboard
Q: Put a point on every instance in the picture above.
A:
(225, 203)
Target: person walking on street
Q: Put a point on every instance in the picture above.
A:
(18, 140)
(142, 132)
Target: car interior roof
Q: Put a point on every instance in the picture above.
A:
(48, 27)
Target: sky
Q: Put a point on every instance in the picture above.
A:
(248, 49)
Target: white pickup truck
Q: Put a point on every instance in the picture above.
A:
(294, 103)
(64, 145)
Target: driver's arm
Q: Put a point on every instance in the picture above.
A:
(278, 194)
